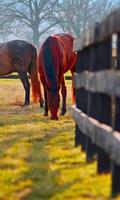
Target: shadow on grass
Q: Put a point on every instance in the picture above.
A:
(45, 180)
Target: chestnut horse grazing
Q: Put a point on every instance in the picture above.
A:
(54, 59)
(21, 56)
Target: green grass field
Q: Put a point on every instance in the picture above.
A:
(38, 160)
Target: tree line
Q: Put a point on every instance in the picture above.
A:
(35, 19)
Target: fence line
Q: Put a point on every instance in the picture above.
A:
(97, 88)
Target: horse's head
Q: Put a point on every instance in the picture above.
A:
(53, 103)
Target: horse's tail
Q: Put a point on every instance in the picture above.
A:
(35, 82)
(49, 66)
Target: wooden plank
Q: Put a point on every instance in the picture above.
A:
(105, 81)
(99, 32)
(101, 134)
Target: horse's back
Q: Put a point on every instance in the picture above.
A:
(20, 51)
(15, 55)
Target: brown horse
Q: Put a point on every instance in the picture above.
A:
(21, 56)
(54, 59)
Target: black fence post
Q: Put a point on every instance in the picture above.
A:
(81, 101)
(82, 98)
(116, 167)
(100, 104)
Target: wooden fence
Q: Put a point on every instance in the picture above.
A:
(97, 85)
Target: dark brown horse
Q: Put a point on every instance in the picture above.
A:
(54, 59)
(21, 56)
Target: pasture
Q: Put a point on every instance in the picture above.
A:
(38, 159)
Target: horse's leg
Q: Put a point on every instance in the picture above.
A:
(46, 102)
(73, 90)
(64, 93)
(26, 84)
(43, 81)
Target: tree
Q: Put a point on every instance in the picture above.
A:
(77, 15)
(26, 15)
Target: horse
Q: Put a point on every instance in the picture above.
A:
(55, 58)
(21, 57)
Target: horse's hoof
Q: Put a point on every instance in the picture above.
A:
(42, 104)
(25, 105)
(54, 118)
(45, 114)
(63, 112)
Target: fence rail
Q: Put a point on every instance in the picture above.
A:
(101, 134)
(104, 81)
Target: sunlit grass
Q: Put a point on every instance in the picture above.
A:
(68, 73)
(38, 160)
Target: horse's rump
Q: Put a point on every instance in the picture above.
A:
(21, 53)
(69, 56)
(50, 58)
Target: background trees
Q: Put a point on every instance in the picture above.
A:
(77, 15)
(26, 17)
(35, 19)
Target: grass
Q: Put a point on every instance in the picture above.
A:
(68, 73)
(38, 160)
